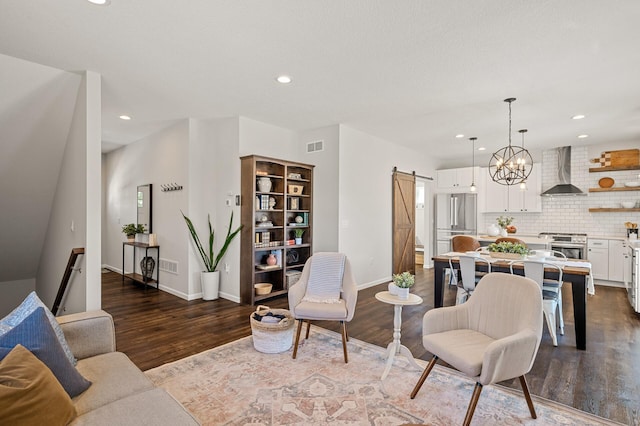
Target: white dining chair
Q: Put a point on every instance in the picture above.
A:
(535, 269)
(469, 275)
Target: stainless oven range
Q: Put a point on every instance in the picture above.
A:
(573, 245)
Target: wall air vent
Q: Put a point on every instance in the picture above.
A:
(315, 146)
(170, 266)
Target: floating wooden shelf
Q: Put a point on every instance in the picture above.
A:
(612, 209)
(613, 169)
(621, 188)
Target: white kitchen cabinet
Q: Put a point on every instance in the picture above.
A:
(617, 251)
(598, 255)
(527, 200)
(511, 199)
(496, 196)
(457, 180)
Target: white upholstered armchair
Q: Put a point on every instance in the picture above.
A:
(492, 337)
(326, 291)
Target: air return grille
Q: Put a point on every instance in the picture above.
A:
(315, 146)
(170, 266)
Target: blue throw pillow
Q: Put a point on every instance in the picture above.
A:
(28, 305)
(35, 333)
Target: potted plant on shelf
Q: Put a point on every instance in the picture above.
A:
(210, 277)
(403, 283)
(298, 235)
(505, 224)
(131, 229)
(507, 250)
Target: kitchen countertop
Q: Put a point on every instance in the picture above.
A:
(528, 239)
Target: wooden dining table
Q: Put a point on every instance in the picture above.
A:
(577, 276)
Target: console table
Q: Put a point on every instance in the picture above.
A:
(139, 278)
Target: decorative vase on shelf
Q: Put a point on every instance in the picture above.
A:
(147, 265)
(493, 230)
(403, 293)
(271, 260)
(503, 232)
(264, 184)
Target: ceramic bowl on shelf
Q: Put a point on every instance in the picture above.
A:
(628, 204)
(606, 182)
(633, 184)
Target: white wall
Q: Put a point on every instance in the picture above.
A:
(161, 158)
(325, 184)
(571, 214)
(76, 206)
(366, 165)
(13, 293)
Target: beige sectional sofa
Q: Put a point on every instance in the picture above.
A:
(120, 393)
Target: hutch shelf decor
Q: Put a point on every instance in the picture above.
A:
(277, 207)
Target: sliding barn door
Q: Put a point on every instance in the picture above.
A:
(404, 229)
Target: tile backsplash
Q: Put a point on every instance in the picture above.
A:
(571, 214)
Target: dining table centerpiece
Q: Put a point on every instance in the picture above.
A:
(507, 250)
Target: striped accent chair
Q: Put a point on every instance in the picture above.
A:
(326, 291)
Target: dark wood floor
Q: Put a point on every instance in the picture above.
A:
(154, 327)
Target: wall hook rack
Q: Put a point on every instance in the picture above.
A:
(170, 187)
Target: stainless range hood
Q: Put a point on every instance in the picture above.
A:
(565, 187)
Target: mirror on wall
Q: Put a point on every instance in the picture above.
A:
(144, 207)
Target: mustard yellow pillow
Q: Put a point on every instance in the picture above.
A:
(29, 392)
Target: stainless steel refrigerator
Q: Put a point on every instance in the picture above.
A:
(455, 214)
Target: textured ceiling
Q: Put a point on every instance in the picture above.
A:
(413, 72)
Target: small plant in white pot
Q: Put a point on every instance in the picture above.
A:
(298, 233)
(131, 229)
(210, 277)
(403, 283)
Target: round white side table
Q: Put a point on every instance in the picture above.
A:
(395, 347)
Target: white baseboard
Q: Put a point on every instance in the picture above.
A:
(373, 283)
(112, 268)
(609, 283)
(230, 297)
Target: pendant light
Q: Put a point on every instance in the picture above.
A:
(510, 165)
(522, 160)
(473, 188)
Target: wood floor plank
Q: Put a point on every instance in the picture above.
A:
(154, 327)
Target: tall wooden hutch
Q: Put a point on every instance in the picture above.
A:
(277, 203)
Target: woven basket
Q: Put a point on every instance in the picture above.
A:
(272, 338)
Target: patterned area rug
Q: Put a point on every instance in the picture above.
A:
(236, 385)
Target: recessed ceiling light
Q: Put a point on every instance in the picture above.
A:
(284, 79)
(482, 148)
(125, 117)
(460, 135)
(582, 136)
(100, 2)
(578, 117)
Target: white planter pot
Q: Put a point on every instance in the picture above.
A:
(393, 289)
(298, 241)
(503, 232)
(210, 282)
(403, 293)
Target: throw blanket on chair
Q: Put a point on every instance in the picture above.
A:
(325, 278)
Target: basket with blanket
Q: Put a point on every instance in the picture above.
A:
(272, 329)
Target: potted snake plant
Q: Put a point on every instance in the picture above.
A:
(210, 277)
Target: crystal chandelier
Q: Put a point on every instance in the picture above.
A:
(510, 165)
